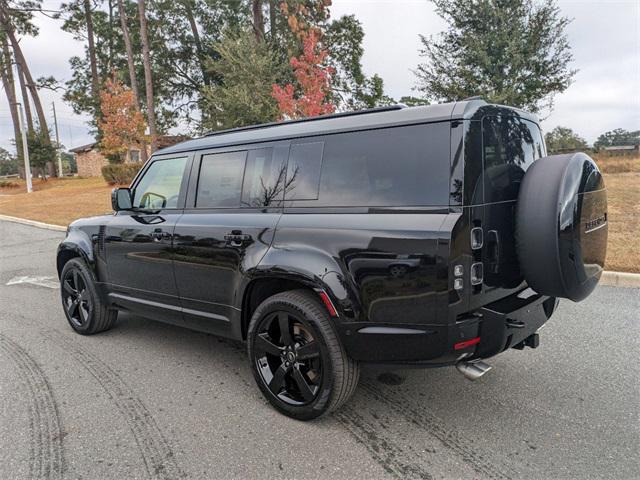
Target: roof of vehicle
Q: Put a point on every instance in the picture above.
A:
(395, 115)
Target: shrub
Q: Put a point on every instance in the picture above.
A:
(8, 184)
(120, 173)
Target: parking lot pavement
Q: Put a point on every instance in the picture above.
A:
(148, 400)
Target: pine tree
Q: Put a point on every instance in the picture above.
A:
(513, 52)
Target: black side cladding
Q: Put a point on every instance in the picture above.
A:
(561, 226)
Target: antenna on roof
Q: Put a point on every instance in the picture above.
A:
(387, 108)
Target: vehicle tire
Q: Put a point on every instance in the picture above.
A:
(296, 357)
(85, 311)
(561, 226)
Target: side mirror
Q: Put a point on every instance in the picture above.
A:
(121, 199)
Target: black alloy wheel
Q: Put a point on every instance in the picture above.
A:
(296, 357)
(76, 299)
(84, 310)
(288, 358)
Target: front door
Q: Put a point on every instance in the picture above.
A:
(138, 243)
(226, 229)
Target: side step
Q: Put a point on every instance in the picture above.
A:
(473, 370)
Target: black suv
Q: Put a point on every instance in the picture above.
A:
(426, 236)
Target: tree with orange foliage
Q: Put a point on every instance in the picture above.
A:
(313, 75)
(122, 123)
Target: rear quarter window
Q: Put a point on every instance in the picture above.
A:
(394, 167)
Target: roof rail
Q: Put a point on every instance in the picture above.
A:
(309, 119)
(475, 97)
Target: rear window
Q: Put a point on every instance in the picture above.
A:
(220, 181)
(509, 146)
(395, 167)
(264, 176)
(511, 140)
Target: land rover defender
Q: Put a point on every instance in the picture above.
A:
(428, 236)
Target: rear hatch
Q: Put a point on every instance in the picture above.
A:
(505, 145)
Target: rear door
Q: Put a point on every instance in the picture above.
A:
(234, 203)
(138, 242)
(374, 202)
(510, 144)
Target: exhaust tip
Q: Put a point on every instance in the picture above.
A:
(473, 370)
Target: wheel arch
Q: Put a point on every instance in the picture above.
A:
(77, 244)
(266, 284)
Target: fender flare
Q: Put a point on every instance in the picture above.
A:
(309, 267)
(76, 244)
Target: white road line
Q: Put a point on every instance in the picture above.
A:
(48, 282)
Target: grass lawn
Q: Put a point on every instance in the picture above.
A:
(60, 201)
(57, 201)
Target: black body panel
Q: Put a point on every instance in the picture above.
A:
(390, 271)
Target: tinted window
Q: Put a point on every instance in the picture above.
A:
(303, 171)
(264, 177)
(509, 145)
(510, 140)
(159, 187)
(404, 166)
(220, 181)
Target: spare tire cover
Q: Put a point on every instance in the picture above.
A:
(561, 226)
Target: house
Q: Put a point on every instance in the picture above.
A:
(90, 160)
(622, 150)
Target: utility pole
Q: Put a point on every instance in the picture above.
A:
(55, 122)
(25, 149)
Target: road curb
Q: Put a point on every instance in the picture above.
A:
(614, 279)
(620, 279)
(33, 223)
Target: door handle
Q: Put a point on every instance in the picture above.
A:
(494, 251)
(236, 238)
(158, 234)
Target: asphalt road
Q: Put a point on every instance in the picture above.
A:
(147, 400)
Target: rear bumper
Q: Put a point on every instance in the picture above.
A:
(499, 326)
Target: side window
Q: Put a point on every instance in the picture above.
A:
(303, 171)
(394, 167)
(510, 140)
(159, 187)
(220, 180)
(509, 145)
(264, 177)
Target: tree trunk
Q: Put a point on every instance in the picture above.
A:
(273, 30)
(7, 83)
(95, 81)
(131, 64)
(129, 49)
(148, 79)
(25, 100)
(110, 59)
(22, 63)
(196, 40)
(258, 19)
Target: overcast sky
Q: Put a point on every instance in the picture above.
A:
(604, 35)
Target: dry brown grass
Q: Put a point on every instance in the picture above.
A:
(60, 201)
(608, 164)
(623, 197)
(57, 201)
